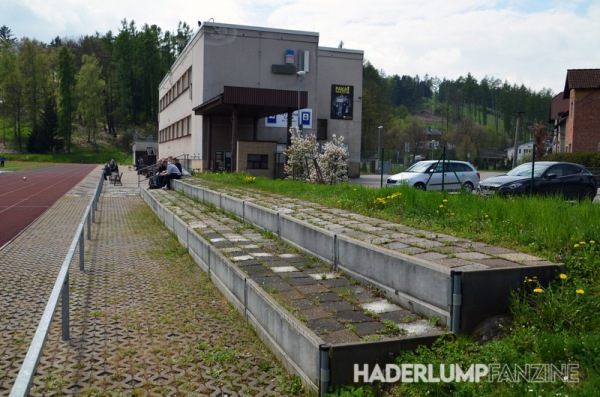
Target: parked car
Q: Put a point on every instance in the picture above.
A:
(438, 175)
(569, 180)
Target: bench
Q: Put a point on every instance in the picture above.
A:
(115, 178)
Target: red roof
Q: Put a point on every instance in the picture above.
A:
(581, 79)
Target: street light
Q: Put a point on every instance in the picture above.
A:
(378, 153)
(379, 140)
(300, 73)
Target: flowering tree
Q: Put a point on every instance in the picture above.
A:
(307, 164)
(333, 163)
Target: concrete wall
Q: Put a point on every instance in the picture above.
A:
(419, 285)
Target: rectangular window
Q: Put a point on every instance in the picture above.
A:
(258, 162)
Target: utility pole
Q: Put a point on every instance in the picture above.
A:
(514, 159)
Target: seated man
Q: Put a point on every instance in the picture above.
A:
(110, 168)
(172, 172)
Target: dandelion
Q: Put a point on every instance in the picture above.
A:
(486, 215)
(444, 201)
(354, 189)
(582, 243)
(538, 290)
(528, 280)
(563, 276)
(576, 246)
(592, 242)
(452, 214)
(441, 205)
(579, 291)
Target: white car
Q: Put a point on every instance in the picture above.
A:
(438, 175)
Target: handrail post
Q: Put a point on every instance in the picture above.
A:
(65, 309)
(81, 251)
(89, 224)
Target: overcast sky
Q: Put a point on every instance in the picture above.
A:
(519, 41)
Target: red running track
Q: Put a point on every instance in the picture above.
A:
(22, 201)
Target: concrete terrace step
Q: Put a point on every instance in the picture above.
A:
(449, 251)
(331, 304)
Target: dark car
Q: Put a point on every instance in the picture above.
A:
(569, 180)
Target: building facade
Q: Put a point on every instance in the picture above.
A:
(229, 100)
(582, 127)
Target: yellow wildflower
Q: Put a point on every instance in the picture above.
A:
(444, 201)
(441, 205)
(582, 243)
(538, 290)
(576, 246)
(580, 291)
(592, 242)
(563, 276)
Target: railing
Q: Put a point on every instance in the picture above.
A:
(60, 289)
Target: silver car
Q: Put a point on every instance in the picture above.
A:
(438, 175)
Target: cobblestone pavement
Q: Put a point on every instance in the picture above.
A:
(145, 320)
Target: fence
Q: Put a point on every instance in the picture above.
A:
(60, 289)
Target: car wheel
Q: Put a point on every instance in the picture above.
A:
(419, 186)
(588, 194)
(468, 187)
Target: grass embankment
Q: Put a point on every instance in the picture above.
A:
(557, 324)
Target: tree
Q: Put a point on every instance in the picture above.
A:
(66, 83)
(11, 88)
(42, 137)
(89, 88)
(468, 137)
(539, 139)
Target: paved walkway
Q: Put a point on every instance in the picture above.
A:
(145, 320)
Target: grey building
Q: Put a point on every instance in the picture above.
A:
(232, 95)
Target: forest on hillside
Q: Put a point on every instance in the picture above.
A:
(108, 84)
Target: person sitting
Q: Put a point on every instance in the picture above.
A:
(110, 168)
(159, 170)
(172, 172)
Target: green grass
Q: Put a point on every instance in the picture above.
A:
(558, 323)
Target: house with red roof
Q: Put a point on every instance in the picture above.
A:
(582, 116)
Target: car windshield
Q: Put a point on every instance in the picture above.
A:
(421, 166)
(525, 169)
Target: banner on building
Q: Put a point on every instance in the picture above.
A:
(342, 102)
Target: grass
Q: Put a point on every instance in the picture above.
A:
(555, 324)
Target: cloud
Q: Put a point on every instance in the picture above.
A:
(522, 42)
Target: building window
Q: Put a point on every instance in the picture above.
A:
(257, 162)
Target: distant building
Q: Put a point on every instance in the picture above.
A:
(559, 111)
(232, 95)
(582, 127)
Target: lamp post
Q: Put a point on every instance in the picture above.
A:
(299, 73)
(379, 156)
(432, 147)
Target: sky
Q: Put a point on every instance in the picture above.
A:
(522, 42)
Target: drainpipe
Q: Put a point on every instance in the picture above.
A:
(456, 300)
(324, 369)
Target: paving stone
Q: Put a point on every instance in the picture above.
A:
(324, 325)
(368, 328)
(337, 306)
(352, 316)
(314, 313)
(341, 336)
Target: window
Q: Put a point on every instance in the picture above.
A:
(257, 162)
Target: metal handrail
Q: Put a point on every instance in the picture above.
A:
(61, 288)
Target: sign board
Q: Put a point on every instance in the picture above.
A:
(280, 120)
